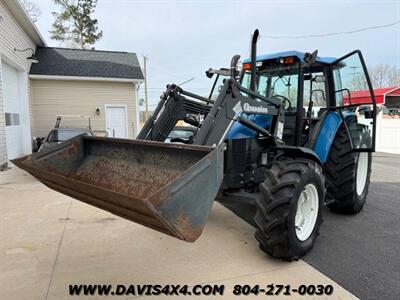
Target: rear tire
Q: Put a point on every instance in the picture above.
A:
(278, 220)
(347, 175)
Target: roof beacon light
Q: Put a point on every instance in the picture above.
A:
(289, 60)
(286, 60)
(246, 66)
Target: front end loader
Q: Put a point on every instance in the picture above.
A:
(273, 143)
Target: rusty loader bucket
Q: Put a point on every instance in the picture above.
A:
(167, 187)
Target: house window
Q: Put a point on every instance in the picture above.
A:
(12, 119)
(8, 119)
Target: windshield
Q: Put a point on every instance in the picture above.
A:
(276, 81)
(61, 135)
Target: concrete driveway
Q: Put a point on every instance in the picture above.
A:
(49, 241)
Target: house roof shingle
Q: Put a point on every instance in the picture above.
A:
(86, 63)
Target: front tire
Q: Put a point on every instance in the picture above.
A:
(289, 208)
(347, 175)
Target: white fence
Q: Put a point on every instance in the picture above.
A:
(388, 135)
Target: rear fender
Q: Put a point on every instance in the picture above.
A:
(326, 135)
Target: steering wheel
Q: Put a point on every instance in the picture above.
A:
(284, 99)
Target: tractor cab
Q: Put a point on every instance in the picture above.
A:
(312, 87)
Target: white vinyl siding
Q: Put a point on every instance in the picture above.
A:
(50, 98)
(12, 36)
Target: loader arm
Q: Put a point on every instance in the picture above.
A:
(173, 107)
(233, 104)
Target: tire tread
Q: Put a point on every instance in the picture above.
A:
(273, 206)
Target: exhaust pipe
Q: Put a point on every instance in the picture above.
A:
(253, 60)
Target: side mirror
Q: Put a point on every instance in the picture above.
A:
(369, 114)
(367, 111)
(209, 73)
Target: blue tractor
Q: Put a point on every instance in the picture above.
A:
(275, 141)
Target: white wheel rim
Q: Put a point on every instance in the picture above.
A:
(307, 212)
(362, 172)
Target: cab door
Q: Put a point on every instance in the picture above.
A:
(354, 99)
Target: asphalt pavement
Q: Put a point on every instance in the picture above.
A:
(362, 252)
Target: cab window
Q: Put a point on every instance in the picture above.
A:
(276, 81)
(315, 92)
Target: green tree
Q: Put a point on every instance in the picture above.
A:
(75, 23)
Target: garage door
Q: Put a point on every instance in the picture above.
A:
(12, 109)
(116, 121)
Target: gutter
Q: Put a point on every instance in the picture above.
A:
(84, 78)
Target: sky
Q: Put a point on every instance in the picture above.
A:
(182, 39)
